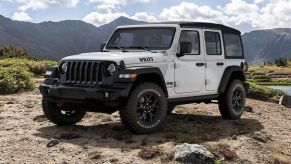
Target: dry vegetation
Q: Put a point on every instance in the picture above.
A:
(261, 136)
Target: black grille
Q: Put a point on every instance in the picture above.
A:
(83, 72)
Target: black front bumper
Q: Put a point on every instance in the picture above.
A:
(77, 94)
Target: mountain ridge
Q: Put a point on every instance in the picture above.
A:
(55, 40)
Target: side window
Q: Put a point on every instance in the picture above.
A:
(233, 45)
(193, 37)
(213, 43)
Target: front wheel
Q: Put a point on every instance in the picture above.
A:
(145, 110)
(60, 115)
(232, 101)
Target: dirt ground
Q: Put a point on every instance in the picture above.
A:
(263, 135)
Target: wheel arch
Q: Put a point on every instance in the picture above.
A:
(148, 74)
(230, 73)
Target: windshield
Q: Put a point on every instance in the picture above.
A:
(145, 38)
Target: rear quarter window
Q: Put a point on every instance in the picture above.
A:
(233, 46)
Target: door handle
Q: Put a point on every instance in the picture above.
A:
(200, 64)
(219, 64)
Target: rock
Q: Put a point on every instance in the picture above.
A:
(234, 137)
(249, 109)
(52, 142)
(10, 102)
(148, 153)
(228, 154)
(113, 160)
(193, 153)
(285, 100)
(95, 155)
(261, 136)
(40, 118)
(87, 147)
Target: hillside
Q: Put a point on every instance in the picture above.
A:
(266, 45)
(55, 40)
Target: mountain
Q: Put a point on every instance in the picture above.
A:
(266, 45)
(55, 40)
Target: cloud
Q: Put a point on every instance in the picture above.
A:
(258, 1)
(43, 4)
(144, 16)
(114, 4)
(98, 19)
(191, 12)
(21, 16)
(275, 13)
(237, 7)
(237, 13)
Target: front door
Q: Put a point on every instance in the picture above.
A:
(190, 68)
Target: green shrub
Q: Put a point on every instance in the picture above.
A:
(281, 62)
(36, 67)
(262, 78)
(15, 79)
(262, 92)
(13, 52)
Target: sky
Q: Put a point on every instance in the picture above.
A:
(246, 15)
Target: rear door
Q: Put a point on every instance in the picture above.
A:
(190, 68)
(214, 56)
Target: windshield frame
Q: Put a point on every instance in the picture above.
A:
(174, 29)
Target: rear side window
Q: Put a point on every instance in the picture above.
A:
(213, 43)
(233, 45)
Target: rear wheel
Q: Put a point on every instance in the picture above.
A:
(60, 115)
(232, 101)
(146, 109)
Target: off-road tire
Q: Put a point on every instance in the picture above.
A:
(226, 100)
(54, 114)
(129, 112)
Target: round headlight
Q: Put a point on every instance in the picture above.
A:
(110, 69)
(64, 67)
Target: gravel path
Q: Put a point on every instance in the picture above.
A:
(263, 135)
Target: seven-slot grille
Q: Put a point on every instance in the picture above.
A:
(83, 72)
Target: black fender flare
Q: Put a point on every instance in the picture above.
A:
(54, 72)
(51, 76)
(228, 72)
(139, 71)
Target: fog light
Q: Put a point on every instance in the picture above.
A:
(48, 73)
(127, 76)
(106, 95)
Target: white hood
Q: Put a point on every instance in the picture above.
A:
(127, 57)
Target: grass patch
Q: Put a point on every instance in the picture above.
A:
(262, 92)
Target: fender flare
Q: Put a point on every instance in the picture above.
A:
(54, 72)
(143, 71)
(228, 72)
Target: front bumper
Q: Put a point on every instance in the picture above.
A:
(77, 94)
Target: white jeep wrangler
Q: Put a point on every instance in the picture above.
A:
(145, 70)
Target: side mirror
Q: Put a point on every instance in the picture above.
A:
(102, 47)
(185, 48)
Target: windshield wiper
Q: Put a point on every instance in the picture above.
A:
(117, 47)
(140, 47)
